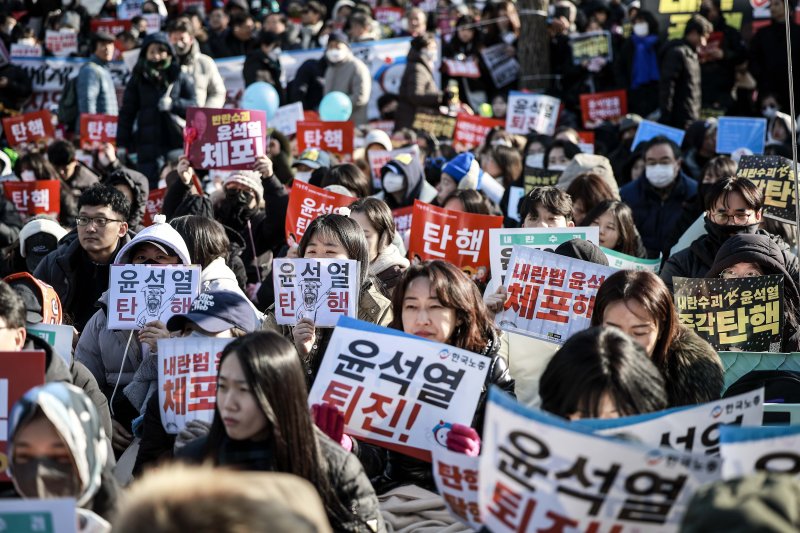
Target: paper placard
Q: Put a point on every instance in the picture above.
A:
(306, 203)
(747, 450)
(532, 113)
(31, 198)
(286, 118)
(333, 137)
(456, 477)
(57, 515)
(471, 130)
(56, 335)
(599, 107)
(589, 46)
(622, 261)
(773, 175)
(647, 130)
(29, 128)
(224, 139)
(96, 130)
(734, 133)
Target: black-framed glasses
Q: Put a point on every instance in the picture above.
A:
(99, 222)
(739, 218)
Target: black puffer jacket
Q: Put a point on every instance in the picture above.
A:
(141, 189)
(679, 89)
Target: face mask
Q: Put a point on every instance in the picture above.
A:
(305, 177)
(235, 211)
(275, 54)
(428, 55)
(641, 29)
(159, 65)
(729, 230)
(393, 182)
(45, 478)
(558, 168)
(769, 111)
(27, 175)
(335, 55)
(534, 160)
(660, 176)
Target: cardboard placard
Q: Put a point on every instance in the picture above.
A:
(333, 137)
(440, 126)
(471, 130)
(502, 66)
(599, 107)
(734, 133)
(647, 130)
(29, 128)
(287, 117)
(224, 139)
(592, 45)
(155, 203)
(96, 130)
(307, 202)
(61, 43)
(773, 175)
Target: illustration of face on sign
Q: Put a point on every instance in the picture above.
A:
(310, 298)
(154, 297)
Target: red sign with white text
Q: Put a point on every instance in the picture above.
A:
(155, 202)
(306, 203)
(597, 107)
(333, 137)
(112, 26)
(31, 198)
(224, 139)
(29, 128)
(471, 130)
(97, 130)
(402, 218)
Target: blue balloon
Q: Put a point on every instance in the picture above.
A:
(263, 97)
(335, 107)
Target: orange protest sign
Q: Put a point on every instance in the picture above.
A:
(471, 130)
(306, 203)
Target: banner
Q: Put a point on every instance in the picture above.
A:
(29, 128)
(154, 205)
(502, 66)
(692, 428)
(773, 175)
(61, 43)
(224, 139)
(333, 137)
(647, 130)
(320, 289)
(550, 297)
(378, 158)
(539, 177)
(19, 372)
(57, 515)
(532, 112)
(306, 203)
(471, 130)
(538, 472)
(589, 46)
(734, 133)
(187, 380)
(622, 261)
(739, 314)
(96, 130)
(287, 117)
(597, 108)
(138, 294)
(440, 126)
(466, 68)
(748, 450)
(31, 198)
(56, 335)
(456, 477)
(396, 390)
(453, 236)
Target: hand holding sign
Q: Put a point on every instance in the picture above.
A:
(303, 334)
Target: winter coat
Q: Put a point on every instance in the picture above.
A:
(768, 60)
(351, 76)
(692, 370)
(209, 88)
(308, 85)
(260, 67)
(389, 267)
(16, 93)
(10, 223)
(418, 91)
(179, 200)
(345, 474)
(679, 90)
(417, 187)
(227, 45)
(140, 187)
(96, 92)
(718, 77)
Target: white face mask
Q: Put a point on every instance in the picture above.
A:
(323, 40)
(302, 176)
(534, 160)
(558, 168)
(335, 55)
(27, 175)
(660, 176)
(393, 182)
(641, 29)
(769, 111)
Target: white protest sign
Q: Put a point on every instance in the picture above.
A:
(153, 22)
(26, 50)
(456, 476)
(286, 118)
(541, 473)
(692, 429)
(62, 42)
(515, 194)
(532, 112)
(320, 289)
(628, 262)
(399, 391)
(57, 515)
(187, 380)
(745, 451)
(138, 294)
(57, 336)
(550, 296)
(503, 67)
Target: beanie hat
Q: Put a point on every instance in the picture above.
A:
(378, 137)
(583, 250)
(248, 178)
(338, 36)
(465, 170)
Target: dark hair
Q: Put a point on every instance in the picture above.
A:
(473, 201)
(351, 178)
(601, 361)
(646, 289)
(510, 162)
(205, 237)
(422, 41)
(237, 19)
(317, 8)
(752, 194)
(61, 153)
(591, 189)
(36, 162)
(101, 195)
(347, 232)
(570, 150)
(532, 138)
(380, 216)
(629, 240)
(455, 291)
(12, 307)
(182, 25)
(660, 139)
(650, 19)
(698, 24)
(554, 200)
(721, 165)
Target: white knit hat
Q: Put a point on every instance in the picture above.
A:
(248, 178)
(40, 225)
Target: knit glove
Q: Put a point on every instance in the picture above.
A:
(331, 421)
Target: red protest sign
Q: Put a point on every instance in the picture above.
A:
(155, 201)
(468, 68)
(32, 198)
(453, 236)
(29, 128)
(224, 139)
(333, 137)
(306, 203)
(96, 130)
(402, 218)
(389, 16)
(471, 130)
(19, 372)
(112, 26)
(597, 107)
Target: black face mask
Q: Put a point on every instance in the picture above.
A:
(235, 210)
(724, 232)
(46, 478)
(151, 262)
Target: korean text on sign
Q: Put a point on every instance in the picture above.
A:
(97, 129)
(456, 476)
(539, 177)
(306, 203)
(320, 289)
(589, 46)
(532, 112)
(187, 380)
(539, 473)
(440, 126)
(154, 205)
(139, 294)
(29, 128)
(471, 130)
(740, 314)
(224, 139)
(598, 107)
(747, 450)
(333, 137)
(773, 175)
(628, 262)
(550, 297)
(42, 197)
(400, 391)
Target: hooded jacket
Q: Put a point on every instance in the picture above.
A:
(418, 91)
(208, 84)
(417, 187)
(140, 187)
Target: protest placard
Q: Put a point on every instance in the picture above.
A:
(539, 177)
(440, 126)
(622, 261)
(286, 118)
(773, 175)
(397, 390)
(307, 202)
(456, 477)
(673, 16)
(61, 43)
(647, 130)
(29, 128)
(503, 66)
(155, 202)
(26, 50)
(599, 107)
(56, 335)
(734, 133)
(693, 428)
(320, 289)
(402, 218)
(187, 379)
(550, 296)
(56, 515)
(453, 236)
(515, 196)
(586, 141)
(333, 137)
(529, 112)
(592, 45)
(747, 450)
(538, 472)
(378, 158)
(138, 294)
(96, 130)
(389, 16)
(31, 198)
(471, 130)
(465, 68)
(19, 371)
(109, 25)
(224, 139)
(739, 314)
(127, 9)
(153, 21)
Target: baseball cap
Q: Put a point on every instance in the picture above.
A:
(313, 158)
(217, 311)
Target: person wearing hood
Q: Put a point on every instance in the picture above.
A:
(264, 63)
(348, 74)
(403, 181)
(136, 188)
(734, 207)
(38, 237)
(57, 448)
(418, 90)
(749, 255)
(155, 102)
(113, 356)
(208, 85)
(464, 172)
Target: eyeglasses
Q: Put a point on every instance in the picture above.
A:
(730, 274)
(739, 219)
(99, 222)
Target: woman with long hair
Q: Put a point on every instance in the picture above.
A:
(587, 190)
(617, 229)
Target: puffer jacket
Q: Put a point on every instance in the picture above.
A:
(351, 76)
(140, 186)
(418, 91)
(209, 87)
(692, 371)
(679, 91)
(96, 91)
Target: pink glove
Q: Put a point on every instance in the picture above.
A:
(464, 439)
(331, 421)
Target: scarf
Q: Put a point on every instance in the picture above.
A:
(645, 62)
(246, 455)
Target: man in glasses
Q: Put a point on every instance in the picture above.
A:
(79, 268)
(733, 207)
